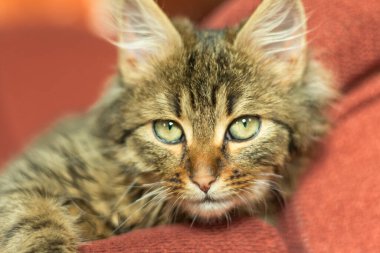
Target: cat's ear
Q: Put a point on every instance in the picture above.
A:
(145, 35)
(276, 34)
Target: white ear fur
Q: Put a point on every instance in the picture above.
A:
(145, 34)
(277, 30)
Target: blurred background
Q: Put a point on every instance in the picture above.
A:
(53, 61)
(84, 13)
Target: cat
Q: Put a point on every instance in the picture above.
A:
(196, 125)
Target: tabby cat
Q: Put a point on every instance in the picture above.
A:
(196, 125)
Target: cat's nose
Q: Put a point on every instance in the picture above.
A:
(204, 183)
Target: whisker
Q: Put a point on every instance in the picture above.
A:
(131, 186)
(131, 215)
(228, 219)
(175, 207)
(178, 208)
(247, 203)
(192, 223)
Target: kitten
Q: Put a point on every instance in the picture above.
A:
(195, 125)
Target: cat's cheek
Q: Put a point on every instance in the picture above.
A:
(260, 188)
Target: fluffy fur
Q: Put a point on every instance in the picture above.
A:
(105, 172)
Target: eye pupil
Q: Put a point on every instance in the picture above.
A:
(170, 125)
(245, 122)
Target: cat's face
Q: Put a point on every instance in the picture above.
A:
(209, 130)
(214, 121)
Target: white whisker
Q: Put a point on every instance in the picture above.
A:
(139, 209)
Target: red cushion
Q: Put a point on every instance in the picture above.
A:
(337, 207)
(250, 235)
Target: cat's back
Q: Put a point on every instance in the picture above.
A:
(70, 144)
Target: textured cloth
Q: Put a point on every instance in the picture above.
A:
(250, 235)
(335, 209)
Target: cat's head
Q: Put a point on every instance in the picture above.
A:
(217, 115)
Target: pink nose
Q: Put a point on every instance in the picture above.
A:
(204, 183)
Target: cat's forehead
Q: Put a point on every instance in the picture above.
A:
(203, 83)
(207, 64)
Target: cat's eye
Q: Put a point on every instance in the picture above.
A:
(244, 128)
(168, 131)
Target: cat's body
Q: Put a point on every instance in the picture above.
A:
(106, 172)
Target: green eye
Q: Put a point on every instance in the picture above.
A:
(244, 128)
(168, 131)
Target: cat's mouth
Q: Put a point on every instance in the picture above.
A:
(207, 199)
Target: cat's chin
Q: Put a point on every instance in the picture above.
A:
(209, 210)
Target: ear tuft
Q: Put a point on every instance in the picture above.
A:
(277, 30)
(145, 33)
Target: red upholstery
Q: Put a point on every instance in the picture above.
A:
(336, 208)
(248, 235)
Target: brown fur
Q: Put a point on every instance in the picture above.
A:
(105, 173)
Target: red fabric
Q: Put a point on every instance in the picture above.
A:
(336, 208)
(249, 235)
